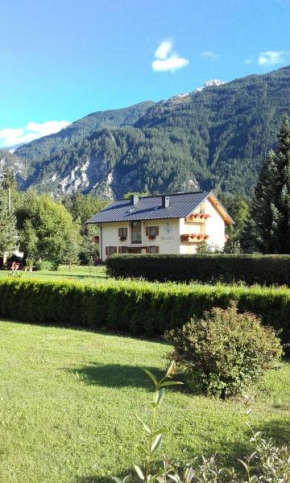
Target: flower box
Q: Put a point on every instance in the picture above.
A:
(122, 238)
(151, 237)
(184, 237)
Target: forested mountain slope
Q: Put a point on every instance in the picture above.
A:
(42, 148)
(217, 136)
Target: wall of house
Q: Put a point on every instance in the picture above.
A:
(168, 239)
(215, 226)
(170, 230)
(109, 237)
(169, 236)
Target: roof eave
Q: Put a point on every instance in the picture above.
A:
(220, 208)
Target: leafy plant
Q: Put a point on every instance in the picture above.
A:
(154, 435)
(266, 464)
(224, 351)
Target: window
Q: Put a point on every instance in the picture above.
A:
(123, 233)
(123, 250)
(135, 231)
(152, 249)
(111, 251)
(152, 231)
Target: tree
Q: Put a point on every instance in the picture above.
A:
(82, 208)
(8, 231)
(239, 208)
(9, 180)
(29, 239)
(47, 229)
(271, 207)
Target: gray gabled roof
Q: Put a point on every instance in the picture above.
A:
(181, 205)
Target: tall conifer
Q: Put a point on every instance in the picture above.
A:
(271, 206)
(8, 232)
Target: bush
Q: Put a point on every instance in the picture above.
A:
(135, 307)
(225, 351)
(29, 263)
(45, 265)
(205, 268)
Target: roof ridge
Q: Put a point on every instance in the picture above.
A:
(170, 194)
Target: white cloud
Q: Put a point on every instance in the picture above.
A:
(33, 130)
(166, 59)
(164, 49)
(248, 61)
(271, 57)
(211, 55)
(172, 63)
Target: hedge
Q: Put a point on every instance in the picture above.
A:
(251, 269)
(135, 307)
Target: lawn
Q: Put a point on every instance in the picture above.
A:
(69, 399)
(80, 273)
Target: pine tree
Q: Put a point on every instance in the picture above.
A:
(271, 206)
(8, 232)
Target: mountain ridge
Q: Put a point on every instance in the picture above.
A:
(216, 137)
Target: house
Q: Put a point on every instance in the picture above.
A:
(167, 224)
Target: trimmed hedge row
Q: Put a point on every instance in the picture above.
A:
(226, 268)
(135, 307)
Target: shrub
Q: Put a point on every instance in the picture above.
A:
(224, 351)
(135, 307)
(205, 268)
(45, 265)
(29, 263)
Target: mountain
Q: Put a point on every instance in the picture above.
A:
(216, 136)
(40, 149)
(9, 161)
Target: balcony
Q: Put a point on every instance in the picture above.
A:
(197, 218)
(193, 238)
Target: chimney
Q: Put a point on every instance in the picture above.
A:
(165, 201)
(134, 199)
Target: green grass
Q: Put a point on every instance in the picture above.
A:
(69, 398)
(80, 273)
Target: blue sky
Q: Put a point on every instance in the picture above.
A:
(62, 59)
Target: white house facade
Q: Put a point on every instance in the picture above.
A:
(167, 224)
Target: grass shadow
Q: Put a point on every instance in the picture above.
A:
(117, 376)
(75, 276)
(93, 479)
(278, 430)
(229, 457)
(105, 479)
